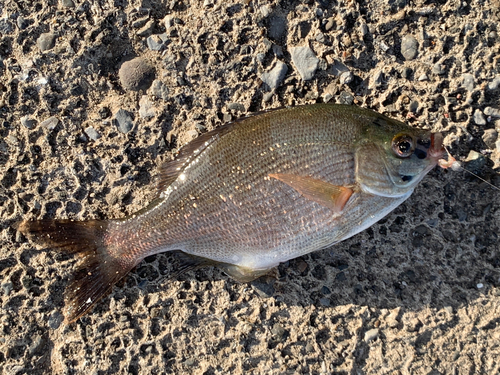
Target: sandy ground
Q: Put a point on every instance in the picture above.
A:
(417, 293)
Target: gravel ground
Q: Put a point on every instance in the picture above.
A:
(84, 125)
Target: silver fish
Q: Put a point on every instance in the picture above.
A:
(254, 193)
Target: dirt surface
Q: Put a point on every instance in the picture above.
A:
(416, 293)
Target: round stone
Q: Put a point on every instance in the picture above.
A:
(136, 74)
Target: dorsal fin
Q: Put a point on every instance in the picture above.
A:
(170, 170)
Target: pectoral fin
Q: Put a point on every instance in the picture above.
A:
(328, 195)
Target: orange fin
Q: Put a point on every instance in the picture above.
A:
(328, 195)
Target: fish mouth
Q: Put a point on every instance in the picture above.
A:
(437, 150)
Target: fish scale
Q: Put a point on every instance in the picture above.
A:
(254, 193)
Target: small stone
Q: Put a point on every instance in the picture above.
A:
(438, 69)
(136, 74)
(50, 123)
(265, 11)
(227, 117)
(409, 47)
(494, 112)
(376, 79)
(275, 76)
(46, 41)
(327, 97)
(146, 109)
(321, 38)
(468, 81)
(475, 161)
(7, 288)
(147, 29)
(305, 61)
(330, 24)
(190, 362)
(276, 27)
(159, 89)
(208, 3)
(278, 332)
(236, 107)
(413, 107)
(479, 117)
(21, 22)
(493, 85)
(92, 133)
(423, 77)
(277, 50)
(384, 47)
(124, 121)
(140, 22)
(155, 43)
(55, 320)
(324, 301)
(267, 97)
(345, 98)
(346, 78)
(479, 285)
(6, 26)
(192, 133)
(28, 122)
(490, 137)
(67, 3)
(371, 335)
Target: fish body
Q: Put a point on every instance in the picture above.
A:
(254, 193)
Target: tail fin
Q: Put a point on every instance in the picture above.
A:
(99, 268)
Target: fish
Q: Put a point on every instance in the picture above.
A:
(252, 194)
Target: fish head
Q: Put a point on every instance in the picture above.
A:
(392, 158)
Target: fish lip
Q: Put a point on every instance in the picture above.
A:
(437, 149)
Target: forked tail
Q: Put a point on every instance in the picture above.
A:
(100, 266)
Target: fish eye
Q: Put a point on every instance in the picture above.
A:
(403, 145)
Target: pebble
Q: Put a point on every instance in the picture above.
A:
(324, 301)
(494, 112)
(157, 42)
(124, 121)
(371, 335)
(136, 74)
(479, 285)
(376, 79)
(479, 117)
(146, 109)
(147, 29)
(263, 289)
(409, 47)
(236, 107)
(28, 122)
(67, 3)
(423, 77)
(330, 24)
(21, 22)
(277, 27)
(493, 85)
(468, 81)
(345, 98)
(475, 161)
(346, 78)
(50, 123)
(278, 332)
(267, 97)
(46, 41)
(275, 76)
(6, 26)
(490, 137)
(7, 288)
(92, 133)
(438, 69)
(305, 61)
(159, 89)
